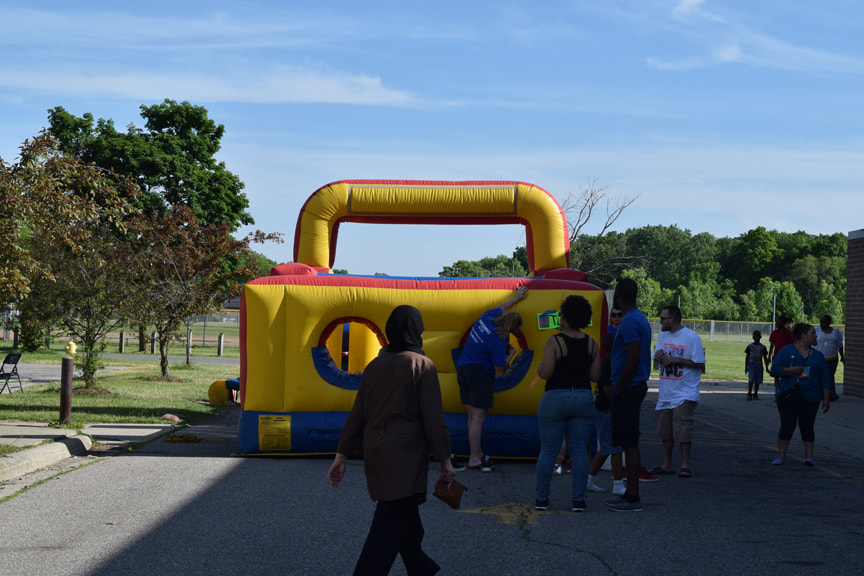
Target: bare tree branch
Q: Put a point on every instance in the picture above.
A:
(580, 207)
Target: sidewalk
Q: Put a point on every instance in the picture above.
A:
(45, 445)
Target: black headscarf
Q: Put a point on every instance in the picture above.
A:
(405, 330)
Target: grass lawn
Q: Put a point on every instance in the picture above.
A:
(725, 361)
(135, 396)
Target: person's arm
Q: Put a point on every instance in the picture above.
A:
(546, 368)
(767, 359)
(686, 362)
(778, 369)
(337, 470)
(746, 359)
(633, 354)
(521, 294)
(596, 368)
(840, 348)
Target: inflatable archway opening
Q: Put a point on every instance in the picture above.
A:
(295, 388)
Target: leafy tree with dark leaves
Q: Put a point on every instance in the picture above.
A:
(66, 225)
(185, 269)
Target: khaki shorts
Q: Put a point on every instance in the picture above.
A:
(676, 423)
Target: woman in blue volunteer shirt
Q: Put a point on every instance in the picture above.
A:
(484, 354)
(802, 365)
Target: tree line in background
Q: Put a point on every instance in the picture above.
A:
(734, 279)
(109, 229)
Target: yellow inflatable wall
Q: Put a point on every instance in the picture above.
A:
(294, 392)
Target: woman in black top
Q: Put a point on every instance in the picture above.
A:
(571, 360)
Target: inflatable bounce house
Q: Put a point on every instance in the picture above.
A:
(307, 334)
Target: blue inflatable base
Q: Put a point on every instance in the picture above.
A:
(504, 436)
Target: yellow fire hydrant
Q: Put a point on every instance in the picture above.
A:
(71, 347)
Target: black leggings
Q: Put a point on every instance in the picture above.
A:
(804, 416)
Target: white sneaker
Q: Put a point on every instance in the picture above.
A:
(619, 490)
(592, 487)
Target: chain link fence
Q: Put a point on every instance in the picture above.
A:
(723, 331)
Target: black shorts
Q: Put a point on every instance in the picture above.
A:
(625, 415)
(475, 386)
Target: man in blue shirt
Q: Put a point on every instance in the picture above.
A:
(631, 367)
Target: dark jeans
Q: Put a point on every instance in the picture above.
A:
(396, 529)
(804, 416)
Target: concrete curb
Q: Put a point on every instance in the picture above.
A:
(32, 459)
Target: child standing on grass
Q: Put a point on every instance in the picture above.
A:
(756, 355)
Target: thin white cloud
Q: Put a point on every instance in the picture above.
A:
(276, 85)
(686, 7)
(724, 39)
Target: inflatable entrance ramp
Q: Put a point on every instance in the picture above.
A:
(307, 334)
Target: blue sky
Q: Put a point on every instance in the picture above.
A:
(720, 115)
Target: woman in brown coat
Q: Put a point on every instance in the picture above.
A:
(396, 422)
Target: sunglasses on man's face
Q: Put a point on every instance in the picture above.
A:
(615, 314)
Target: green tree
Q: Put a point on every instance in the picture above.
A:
(753, 257)
(172, 159)
(651, 297)
(789, 302)
(185, 269)
(497, 267)
(89, 295)
(68, 218)
(46, 193)
(665, 251)
(827, 302)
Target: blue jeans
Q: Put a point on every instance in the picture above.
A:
(570, 414)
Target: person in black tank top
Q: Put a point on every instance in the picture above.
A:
(571, 361)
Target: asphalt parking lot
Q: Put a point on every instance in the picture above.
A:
(197, 507)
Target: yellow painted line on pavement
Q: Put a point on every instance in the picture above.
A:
(513, 513)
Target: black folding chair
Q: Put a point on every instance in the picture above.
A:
(8, 371)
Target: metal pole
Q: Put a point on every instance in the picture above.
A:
(774, 310)
(66, 369)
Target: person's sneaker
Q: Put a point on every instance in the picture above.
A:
(579, 506)
(809, 462)
(777, 462)
(646, 476)
(559, 469)
(624, 505)
(592, 487)
(458, 465)
(619, 490)
(834, 397)
(755, 396)
(486, 465)
(749, 396)
(541, 504)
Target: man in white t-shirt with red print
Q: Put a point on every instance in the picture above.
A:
(681, 358)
